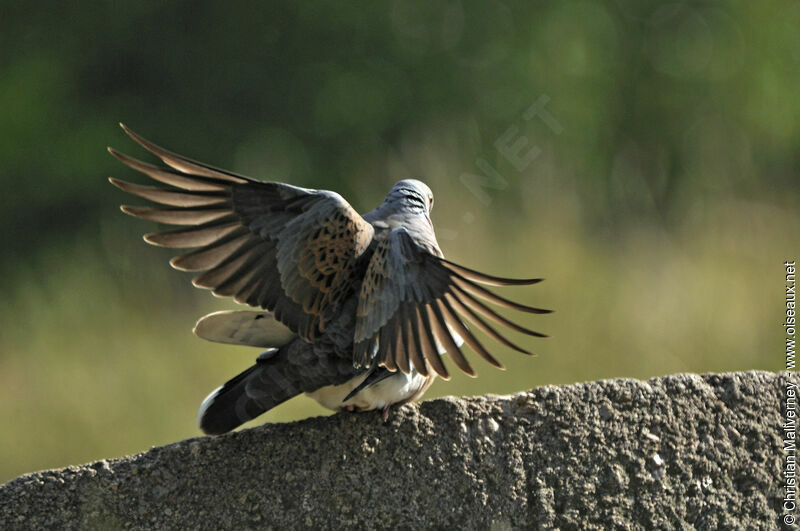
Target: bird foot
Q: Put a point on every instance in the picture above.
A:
(385, 413)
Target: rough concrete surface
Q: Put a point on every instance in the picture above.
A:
(678, 451)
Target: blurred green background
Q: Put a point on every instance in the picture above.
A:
(656, 190)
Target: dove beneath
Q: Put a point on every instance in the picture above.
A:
(355, 310)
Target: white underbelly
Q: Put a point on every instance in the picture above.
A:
(396, 388)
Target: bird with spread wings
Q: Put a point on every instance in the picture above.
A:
(354, 310)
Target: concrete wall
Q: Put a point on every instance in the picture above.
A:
(704, 451)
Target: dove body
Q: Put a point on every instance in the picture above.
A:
(396, 389)
(356, 311)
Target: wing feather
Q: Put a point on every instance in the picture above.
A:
(386, 344)
(196, 236)
(453, 320)
(415, 302)
(195, 184)
(210, 256)
(184, 164)
(432, 350)
(480, 323)
(477, 276)
(417, 351)
(441, 332)
(286, 249)
(400, 350)
(491, 314)
(171, 216)
(170, 197)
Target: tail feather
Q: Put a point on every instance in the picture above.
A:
(244, 327)
(245, 397)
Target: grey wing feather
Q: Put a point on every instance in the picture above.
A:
(287, 249)
(412, 307)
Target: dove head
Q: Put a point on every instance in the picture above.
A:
(411, 195)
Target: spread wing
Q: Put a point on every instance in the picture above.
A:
(287, 249)
(412, 303)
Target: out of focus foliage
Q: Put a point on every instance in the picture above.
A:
(655, 185)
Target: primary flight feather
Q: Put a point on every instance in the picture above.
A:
(358, 309)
